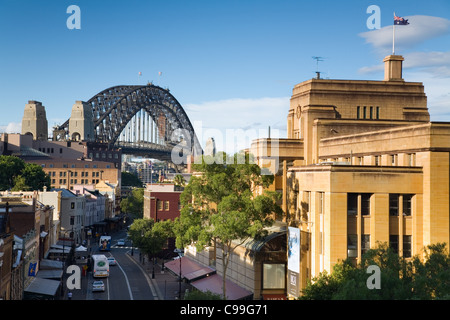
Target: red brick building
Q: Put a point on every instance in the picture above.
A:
(162, 202)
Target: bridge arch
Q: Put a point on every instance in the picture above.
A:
(114, 108)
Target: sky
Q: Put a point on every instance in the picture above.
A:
(231, 64)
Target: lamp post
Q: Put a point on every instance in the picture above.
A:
(180, 255)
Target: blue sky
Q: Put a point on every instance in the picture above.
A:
(231, 64)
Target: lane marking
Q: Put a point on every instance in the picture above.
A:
(128, 283)
(150, 284)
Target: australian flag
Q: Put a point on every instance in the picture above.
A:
(400, 21)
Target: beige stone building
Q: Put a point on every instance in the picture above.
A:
(361, 164)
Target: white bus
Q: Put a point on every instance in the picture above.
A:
(100, 265)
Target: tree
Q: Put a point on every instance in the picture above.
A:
(129, 179)
(401, 279)
(150, 236)
(221, 206)
(179, 180)
(34, 177)
(15, 174)
(10, 167)
(134, 204)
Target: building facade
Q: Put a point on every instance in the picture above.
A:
(162, 202)
(362, 164)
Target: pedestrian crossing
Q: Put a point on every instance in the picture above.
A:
(115, 246)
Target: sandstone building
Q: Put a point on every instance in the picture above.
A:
(361, 164)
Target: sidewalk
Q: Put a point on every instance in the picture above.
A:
(164, 284)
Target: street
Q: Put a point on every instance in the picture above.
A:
(127, 280)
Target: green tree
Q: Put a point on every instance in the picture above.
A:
(15, 174)
(10, 168)
(134, 204)
(129, 179)
(35, 178)
(432, 277)
(150, 236)
(179, 180)
(221, 206)
(400, 279)
(200, 295)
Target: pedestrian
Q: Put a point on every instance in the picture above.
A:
(69, 295)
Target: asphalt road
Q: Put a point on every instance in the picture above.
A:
(126, 281)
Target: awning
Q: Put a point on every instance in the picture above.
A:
(214, 284)
(50, 274)
(47, 264)
(190, 270)
(44, 288)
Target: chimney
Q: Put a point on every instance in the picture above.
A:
(393, 68)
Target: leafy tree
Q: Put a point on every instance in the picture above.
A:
(35, 178)
(200, 295)
(134, 204)
(15, 174)
(129, 179)
(150, 236)
(432, 279)
(221, 206)
(10, 168)
(401, 279)
(179, 180)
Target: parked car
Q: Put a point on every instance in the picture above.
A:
(121, 242)
(112, 261)
(98, 286)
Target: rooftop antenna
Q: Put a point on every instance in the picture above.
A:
(317, 66)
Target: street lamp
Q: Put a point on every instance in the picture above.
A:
(180, 255)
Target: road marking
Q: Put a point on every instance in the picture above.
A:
(150, 284)
(128, 283)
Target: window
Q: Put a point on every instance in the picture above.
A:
(274, 275)
(352, 245)
(365, 204)
(378, 113)
(393, 159)
(365, 243)
(166, 205)
(371, 113)
(72, 205)
(393, 242)
(393, 204)
(159, 205)
(407, 204)
(364, 112)
(321, 200)
(352, 204)
(358, 110)
(377, 160)
(406, 246)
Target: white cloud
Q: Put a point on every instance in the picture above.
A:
(420, 29)
(12, 127)
(234, 123)
(434, 63)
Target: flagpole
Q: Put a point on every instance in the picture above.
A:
(393, 36)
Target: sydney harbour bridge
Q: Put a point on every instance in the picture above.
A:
(143, 120)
